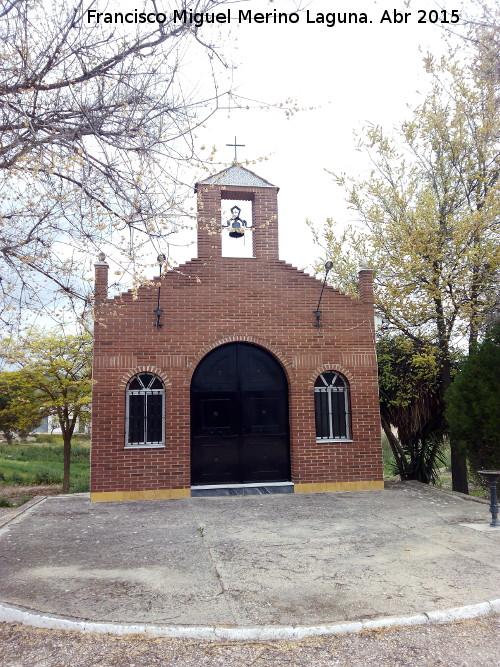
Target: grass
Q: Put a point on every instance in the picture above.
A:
(444, 480)
(388, 458)
(8, 502)
(40, 462)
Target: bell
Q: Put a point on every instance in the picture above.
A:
(237, 230)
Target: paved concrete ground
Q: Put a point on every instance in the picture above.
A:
(284, 560)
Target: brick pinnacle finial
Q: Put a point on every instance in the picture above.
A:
(365, 277)
(101, 277)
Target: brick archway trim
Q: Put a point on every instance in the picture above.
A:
(332, 367)
(124, 379)
(243, 338)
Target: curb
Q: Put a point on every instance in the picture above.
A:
(15, 512)
(12, 614)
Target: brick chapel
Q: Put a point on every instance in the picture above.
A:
(220, 377)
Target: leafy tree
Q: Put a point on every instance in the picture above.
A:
(431, 208)
(19, 414)
(410, 402)
(55, 372)
(96, 124)
(472, 404)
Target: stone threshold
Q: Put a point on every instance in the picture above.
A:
(253, 489)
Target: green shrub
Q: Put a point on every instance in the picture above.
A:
(57, 439)
(80, 484)
(53, 454)
(31, 453)
(472, 405)
(79, 453)
(47, 476)
(81, 439)
(16, 479)
(5, 502)
(389, 463)
(49, 438)
(446, 454)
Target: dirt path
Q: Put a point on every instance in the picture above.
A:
(469, 643)
(16, 493)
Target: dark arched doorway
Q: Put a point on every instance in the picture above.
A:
(239, 418)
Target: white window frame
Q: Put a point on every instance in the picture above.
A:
(146, 392)
(329, 390)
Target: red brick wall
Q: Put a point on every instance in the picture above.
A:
(213, 300)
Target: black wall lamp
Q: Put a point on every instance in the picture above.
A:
(158, 311)
(317, 312)
(236, 224)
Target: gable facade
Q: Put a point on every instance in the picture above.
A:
(246, 388)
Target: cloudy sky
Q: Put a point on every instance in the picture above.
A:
(343, 77)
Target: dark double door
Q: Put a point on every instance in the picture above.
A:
(239, 418)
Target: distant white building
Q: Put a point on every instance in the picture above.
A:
(51, 425)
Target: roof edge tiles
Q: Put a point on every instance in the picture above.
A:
(237, 175)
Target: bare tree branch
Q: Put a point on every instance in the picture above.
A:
(96, 124)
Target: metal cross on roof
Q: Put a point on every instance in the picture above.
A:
(235, 146)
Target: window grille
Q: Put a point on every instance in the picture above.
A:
(145, 419)
(331, 404)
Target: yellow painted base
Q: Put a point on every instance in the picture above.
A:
(167, 494)
(371, 485)
(149, 494)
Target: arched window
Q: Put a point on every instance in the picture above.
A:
(331, 404)
(145, 426)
